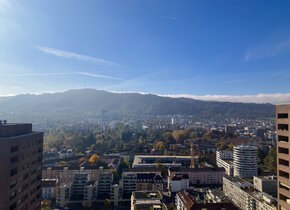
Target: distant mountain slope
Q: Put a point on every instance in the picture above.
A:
(85, 102)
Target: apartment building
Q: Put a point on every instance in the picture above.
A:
(200, 176)
(245, 161)
(178, 183)
(245, 196)
(147, 200)
(184, 201)
(66, 173)
(283, 157)
(224, 159)
(20, 166)
(138, 179)
(267, 184)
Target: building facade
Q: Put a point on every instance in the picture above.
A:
(245, 161)
(200, 176)
(178, 183)
(245, 196)
(20, 166)
(224, 159)
(267, 184)
(283, 157)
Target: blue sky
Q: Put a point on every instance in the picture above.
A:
(166, 47)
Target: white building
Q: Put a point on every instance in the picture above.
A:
(245, 161)
(178, 183)
(224, 159)
(245, 196)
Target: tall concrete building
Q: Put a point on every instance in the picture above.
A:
(20, 166)
(283, 157)
(245, 161)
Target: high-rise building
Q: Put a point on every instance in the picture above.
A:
(283, 157)
(20, 166)
(245, 161)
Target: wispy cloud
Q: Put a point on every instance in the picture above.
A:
(170, 17)
(97, 75)
(268, 50)
(276, 98)
(80, 57)
(61, 74)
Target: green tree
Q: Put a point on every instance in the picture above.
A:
(270, 161)
(261, 156)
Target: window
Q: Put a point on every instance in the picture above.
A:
(284, 174)
(13, 184)
(13, 172)
(283, 127)
(283, 162)
(283, 197)
(14, 149)
(284, 186)
(14, 160)
(283, 150)
(283, 138)
(282, 115)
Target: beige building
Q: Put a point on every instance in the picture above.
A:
(245, 196)
(20, 166)
(283, 157)
(147, 200)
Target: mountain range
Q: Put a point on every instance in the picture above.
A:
(90, 102)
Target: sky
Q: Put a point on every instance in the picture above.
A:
(224, 50)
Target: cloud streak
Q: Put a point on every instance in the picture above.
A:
(277, 98)
(170, 17)
(268, 50)
(61, 74)
(98, 75)
(72, 55)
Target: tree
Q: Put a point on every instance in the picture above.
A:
(107, 203)
(270, 160)
(222, 145)
(82, 160)
(231, 146)
(261, 156)
(115, 175)
(159, 145)
(171, 206)
(94, 159)
(164, 171)
(62, 163)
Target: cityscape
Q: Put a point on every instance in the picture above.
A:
(144, 105)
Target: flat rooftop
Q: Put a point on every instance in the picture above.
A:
(151, 159)
(143, 195)
(149, 207)
(8, 130)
